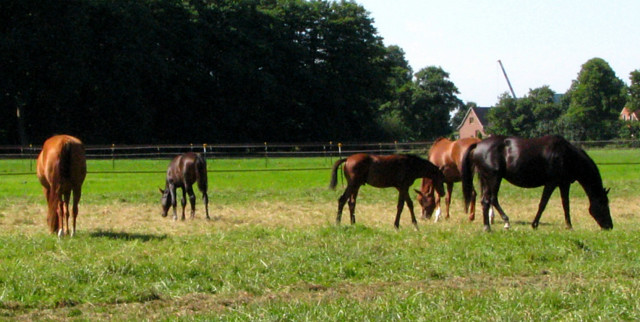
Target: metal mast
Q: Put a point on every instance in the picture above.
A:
(507, 78)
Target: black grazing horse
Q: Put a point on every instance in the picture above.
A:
(549, 161)
(183, 171)
(382, 171)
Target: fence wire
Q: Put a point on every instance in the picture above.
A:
(252, 151)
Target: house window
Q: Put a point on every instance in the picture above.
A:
(471, 120)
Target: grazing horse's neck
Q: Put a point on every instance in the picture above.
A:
(425, 169)
(589, 178)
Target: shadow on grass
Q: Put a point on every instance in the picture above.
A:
(127, 236)
(528, 223)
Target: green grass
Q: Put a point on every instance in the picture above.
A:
(272, 252)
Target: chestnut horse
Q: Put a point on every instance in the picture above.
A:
(549, 161)
(61, 169)
(398, 171)
(184, 170)
(447, 155)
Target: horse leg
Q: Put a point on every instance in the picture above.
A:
(486, 204)
(564, 194)
(472, 208)
(192, 201)
(401, 200)
(504, 216)
(352, 205)
(172, 192)
(76, 199)
(491, 187)
(546, 193)
(438, 209)
(447, 198)
(60, 213)
(495, 187)
(341, 201)
(183, 201)
(66, 196)
(409, 202)
(205, 199)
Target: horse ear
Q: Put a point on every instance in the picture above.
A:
(161, 191)
(418, 192)
(606, 191)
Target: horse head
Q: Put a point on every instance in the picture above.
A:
(426, 198)
(599, 210)
(166, 201)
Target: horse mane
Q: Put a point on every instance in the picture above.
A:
(439, 139)
(591, 166)
(436, 142)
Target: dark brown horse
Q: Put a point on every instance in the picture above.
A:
(61, 170)
(548, 161)
(184, 170)
(446, 155)
(398, 171)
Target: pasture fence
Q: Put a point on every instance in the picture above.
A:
(328, 150)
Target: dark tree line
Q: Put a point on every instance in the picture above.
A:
(154, 71)
(204, 71)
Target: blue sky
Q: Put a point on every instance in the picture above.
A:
(540, 42)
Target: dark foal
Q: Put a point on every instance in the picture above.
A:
(184, 170)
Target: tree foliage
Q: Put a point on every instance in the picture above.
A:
(588, 110)
(183, 71)
(595, 98)
(422, 107)
(633, 102)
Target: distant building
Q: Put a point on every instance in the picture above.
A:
(473, 124)
(627, 115)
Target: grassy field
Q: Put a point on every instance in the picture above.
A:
(273, 252)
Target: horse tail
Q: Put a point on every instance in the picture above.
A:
(66, 157)
(334, 173)
(467, 176)
(201, 173)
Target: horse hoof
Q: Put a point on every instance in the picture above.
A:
(507, 225)
(487, 228)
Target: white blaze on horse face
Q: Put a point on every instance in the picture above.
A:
(437, 214)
